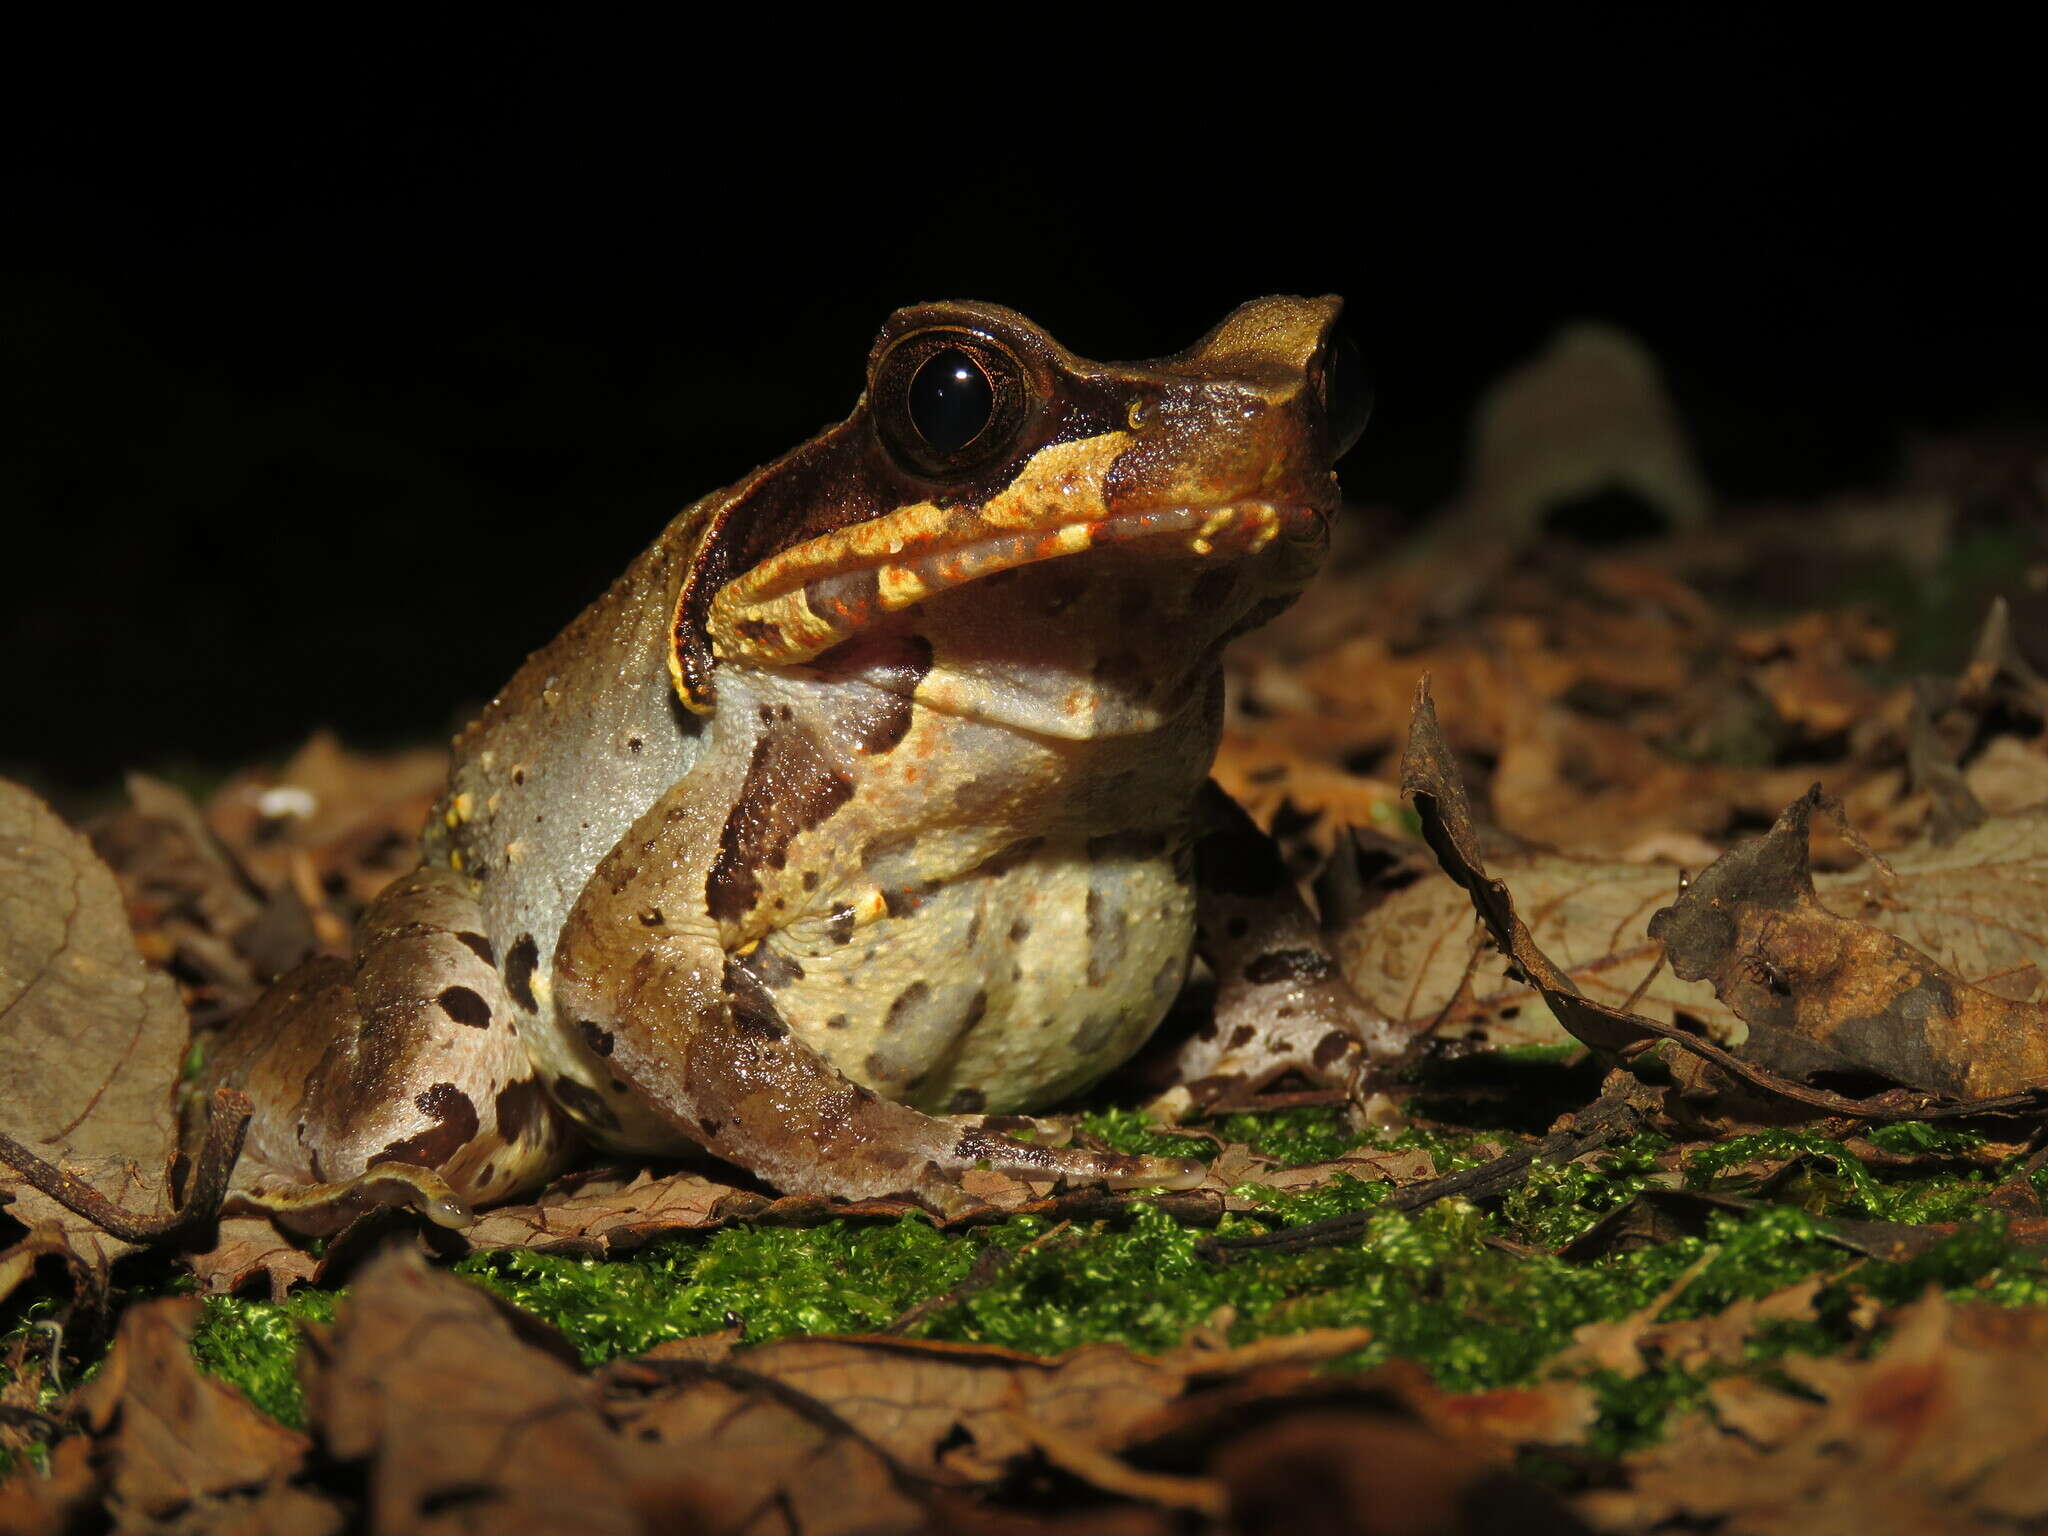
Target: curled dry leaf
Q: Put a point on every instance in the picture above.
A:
(1430, 775)
(92, 1036)
(1417, 956)
(1823, 992)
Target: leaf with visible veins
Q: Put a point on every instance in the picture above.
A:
(91, 1035)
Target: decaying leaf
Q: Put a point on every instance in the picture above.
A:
(455, 1420)
(1823, 992)
(174, 1442)
(92, 1036)
(1942, 1429)
(245, 1247)
(953, 1411)
(740, 1456)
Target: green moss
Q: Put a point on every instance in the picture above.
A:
(1475, 1293)
(255, 1346)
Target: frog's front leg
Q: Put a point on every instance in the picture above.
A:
(394, 1077)
(1282, 1006)
(642, 970)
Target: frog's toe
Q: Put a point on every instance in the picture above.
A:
(1160, 1173)
(319, 1209)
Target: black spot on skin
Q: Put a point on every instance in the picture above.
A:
(618, 1087)
(898, 902)
(1241, 1037)
(770, 968)
(634, 744)
(652, 918)
(586, 1104)
(977, 1009)
(791, 786)
(465, 1007)
(520, 964)
(908, 999)
(709, 1126)
(753, 1010)
(881, 721)
(1289, 965)
(1332, 1048)
(454, 1127)
(1020, 930)
(973, 930)
(810, 880)
(1105, 939)
(596, 1036)
(838, 1021)
(522, 1109)
(967, 1101)
(490, 1172)
(518, 777)
(479, 946)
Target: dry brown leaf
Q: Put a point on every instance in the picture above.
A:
(330, 812)
(612, 1213)
(458, 1423)
(1978, 905)
(2009, 775)
(245, 1247)
(1942, 1429)
(92, 1036)
(171, 1437)
(1825, 992)
(736, 1456)
(1420, 956)
(1238, 1164)
(950, 1410)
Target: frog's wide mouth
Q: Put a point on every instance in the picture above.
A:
(807, 599)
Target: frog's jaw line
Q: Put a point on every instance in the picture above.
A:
(761, 620)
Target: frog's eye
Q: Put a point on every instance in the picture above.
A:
(949, 401)
(1346, 391)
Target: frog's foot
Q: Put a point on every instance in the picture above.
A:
(729, 1074)
(393, 1078)
(1282, 1005)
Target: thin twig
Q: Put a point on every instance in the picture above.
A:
(227, 1122)
(988, 1264)
(1605, 1120)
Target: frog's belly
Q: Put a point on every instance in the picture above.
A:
(1001, 992)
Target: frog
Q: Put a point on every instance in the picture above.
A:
(867, 812)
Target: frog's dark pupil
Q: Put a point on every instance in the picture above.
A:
(1347, 393)
(950, 400)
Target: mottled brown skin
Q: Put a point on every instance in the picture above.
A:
(871, 794)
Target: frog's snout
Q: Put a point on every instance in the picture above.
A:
(1258, 410)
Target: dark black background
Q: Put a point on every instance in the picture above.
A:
(332, 398)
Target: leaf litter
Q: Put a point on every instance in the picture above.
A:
(1717, 1205)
